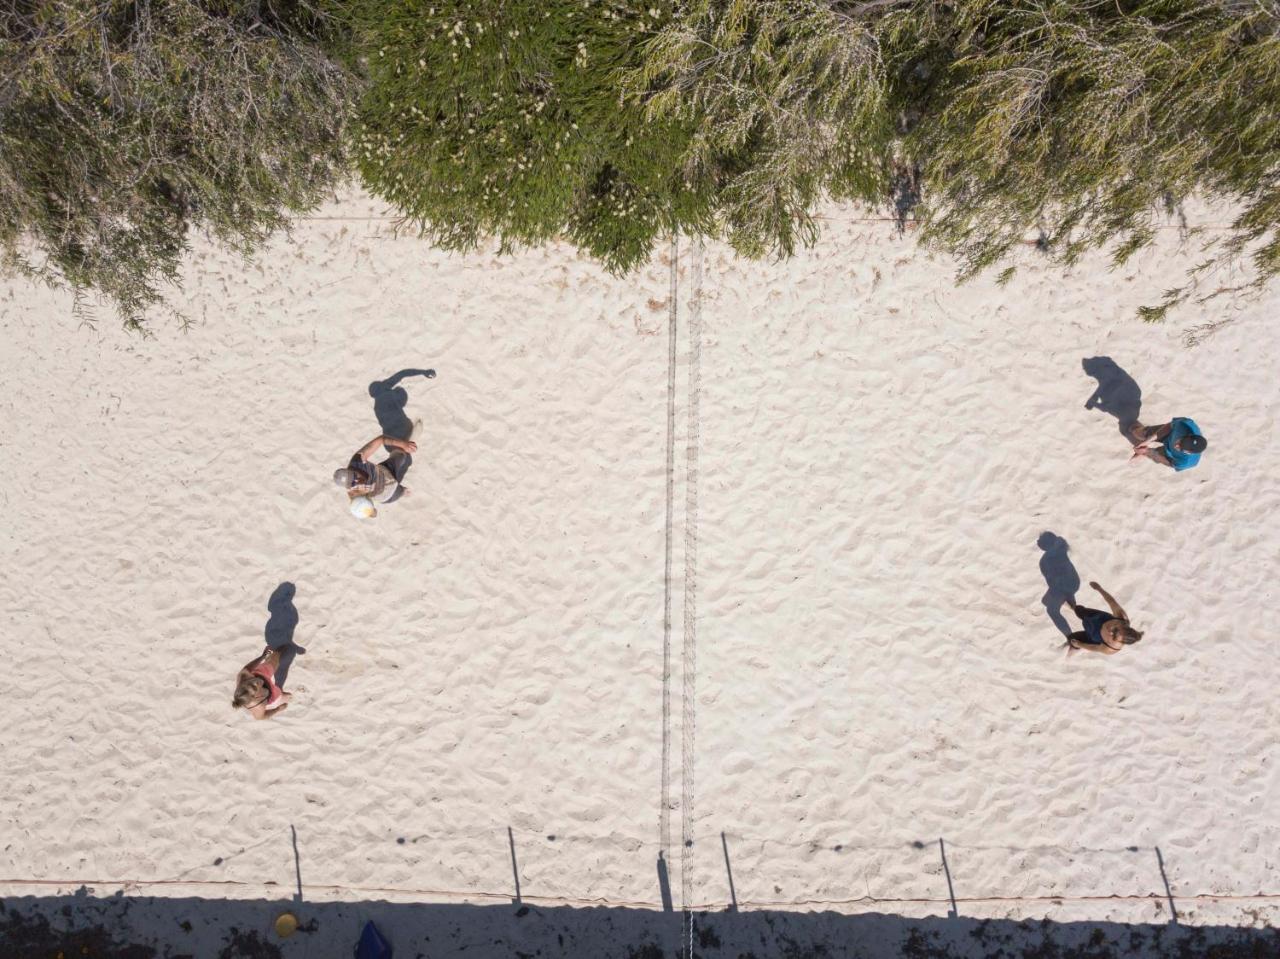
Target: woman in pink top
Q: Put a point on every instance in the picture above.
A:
(256, 689)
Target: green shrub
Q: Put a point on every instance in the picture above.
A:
(126, 123)
(504, 120)
(1088, 121)
(612, 123)
(787, 103)
(1091, 121)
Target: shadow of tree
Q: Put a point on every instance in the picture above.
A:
(145, 927)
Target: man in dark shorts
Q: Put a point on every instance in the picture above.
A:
(1177, 443)
(375, 472)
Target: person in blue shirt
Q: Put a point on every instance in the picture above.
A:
(1177, 443)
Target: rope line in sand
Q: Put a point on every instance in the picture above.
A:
(831, 845)
(689, 653)
(505, 897)
(635, 845)
(828, 844)
(664, 809)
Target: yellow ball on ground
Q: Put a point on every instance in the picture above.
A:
(286, 924)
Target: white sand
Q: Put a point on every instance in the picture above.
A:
(878, 452)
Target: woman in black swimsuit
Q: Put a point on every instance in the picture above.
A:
(1105, 633)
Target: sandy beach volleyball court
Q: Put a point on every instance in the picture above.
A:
(861, 663)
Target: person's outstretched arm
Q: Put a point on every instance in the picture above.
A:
(264, 658)
(371, 447)
(408, 446)
(269, 656)
(1111, 601)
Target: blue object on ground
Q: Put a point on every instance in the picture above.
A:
(371, 944)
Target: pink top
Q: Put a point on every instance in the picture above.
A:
(269, 675)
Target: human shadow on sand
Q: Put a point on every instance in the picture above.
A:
(1060, 577)
(1116, 394)
(389, 401)
(280, 626)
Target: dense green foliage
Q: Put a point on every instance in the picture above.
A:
(125, 124)
(986, 120)
(505, 119)
(1089, 120)
(613, 123)
(787, 105)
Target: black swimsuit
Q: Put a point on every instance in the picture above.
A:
(1094, 620)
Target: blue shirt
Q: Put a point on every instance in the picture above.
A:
(1181, 427)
